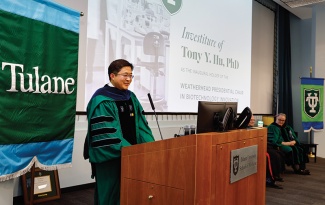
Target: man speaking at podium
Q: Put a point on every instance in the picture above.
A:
(115, 119)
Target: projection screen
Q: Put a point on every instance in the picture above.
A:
(183, 51)
(229, 34)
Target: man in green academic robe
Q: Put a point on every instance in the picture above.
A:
(115, 120)
(283, 137)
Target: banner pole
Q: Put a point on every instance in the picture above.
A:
(311, 131)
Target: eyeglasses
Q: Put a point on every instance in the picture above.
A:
(125, 75)
(281, 120)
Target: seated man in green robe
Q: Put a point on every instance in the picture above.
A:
(283, 137)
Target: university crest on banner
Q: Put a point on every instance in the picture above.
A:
(312, 91)
(312, 102)
(39, 42)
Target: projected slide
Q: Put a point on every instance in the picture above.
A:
(183, 51)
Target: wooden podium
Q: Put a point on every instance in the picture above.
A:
(193, 169)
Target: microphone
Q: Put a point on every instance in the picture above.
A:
(153, 108)
(151, 103)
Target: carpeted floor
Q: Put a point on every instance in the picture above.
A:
(297, 190)
(300, 189)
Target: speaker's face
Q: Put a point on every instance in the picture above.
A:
(123, 79)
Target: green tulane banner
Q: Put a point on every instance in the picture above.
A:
(312, 103)
(38, 78)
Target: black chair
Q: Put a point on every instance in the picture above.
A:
(243, 119)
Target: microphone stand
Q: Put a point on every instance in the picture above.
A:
(153, 108)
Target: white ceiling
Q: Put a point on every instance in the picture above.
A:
(303, 12)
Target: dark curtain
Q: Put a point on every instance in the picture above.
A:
(284, 65)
